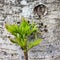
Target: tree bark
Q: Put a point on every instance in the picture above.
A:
(26, 55)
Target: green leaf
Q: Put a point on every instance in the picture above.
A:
(13, 29)
(34, 43)
(13, 41)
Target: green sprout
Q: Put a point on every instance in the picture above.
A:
(21, 34)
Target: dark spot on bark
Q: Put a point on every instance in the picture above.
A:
(51, 51)
(45, 26)
(45, 30)
(11, 54)
(28, 21)
(18, 22)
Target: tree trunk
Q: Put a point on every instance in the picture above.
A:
(26, 55)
